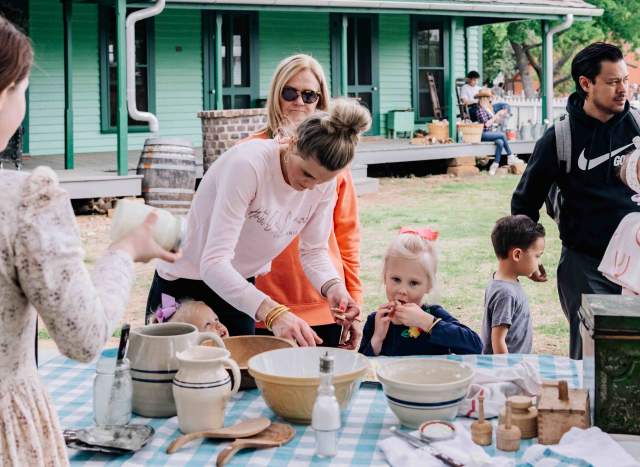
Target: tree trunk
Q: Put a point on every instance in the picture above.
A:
(522, 64)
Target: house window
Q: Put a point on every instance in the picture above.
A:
(239, 59)
(145, 71)
(428, 61)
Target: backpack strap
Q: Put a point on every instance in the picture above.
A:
(563, 140)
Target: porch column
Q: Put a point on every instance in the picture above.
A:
(121, 86)
(218, 67)
(68, 85)
(451, 98)
(344, 83)
(547, 113)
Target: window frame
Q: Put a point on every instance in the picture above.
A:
(104, 13)
(415, 68)
(209, 60)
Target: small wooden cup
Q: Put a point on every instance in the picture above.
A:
(508, 435)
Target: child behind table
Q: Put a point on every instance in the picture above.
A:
(189, 311)
(404, 325)
(518, 243)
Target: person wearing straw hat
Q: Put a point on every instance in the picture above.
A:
(489, 119)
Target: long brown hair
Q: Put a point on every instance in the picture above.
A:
(16, 54)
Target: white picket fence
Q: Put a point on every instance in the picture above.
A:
(529, 110)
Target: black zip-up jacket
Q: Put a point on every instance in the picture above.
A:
(594, 199)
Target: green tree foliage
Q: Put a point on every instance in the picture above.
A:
(510, 48)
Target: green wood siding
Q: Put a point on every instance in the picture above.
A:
(459, 53)
(395, 65)
(179, 74)
(46, 98)
(178, 82)
(283, 34)
(474, 49)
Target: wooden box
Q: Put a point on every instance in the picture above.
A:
(559, 409)
(610, 332)
(400, 121)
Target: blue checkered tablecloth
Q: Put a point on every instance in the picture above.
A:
(367, 420)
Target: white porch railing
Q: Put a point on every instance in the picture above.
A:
(529, 110)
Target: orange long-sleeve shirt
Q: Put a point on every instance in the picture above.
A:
(287, 283)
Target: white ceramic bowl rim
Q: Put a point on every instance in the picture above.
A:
(384, 379)
(359, 363)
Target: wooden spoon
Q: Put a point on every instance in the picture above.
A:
(241, 429)
(276, 435)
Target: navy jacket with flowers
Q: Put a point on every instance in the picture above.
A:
(448, 336)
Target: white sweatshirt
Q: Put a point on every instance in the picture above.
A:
(242, 216)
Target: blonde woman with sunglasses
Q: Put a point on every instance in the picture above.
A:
(299, 88)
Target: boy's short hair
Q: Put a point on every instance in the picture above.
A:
(514, 232)
(473, 75)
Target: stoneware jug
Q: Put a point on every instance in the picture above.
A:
(202, 387)
(152, 356)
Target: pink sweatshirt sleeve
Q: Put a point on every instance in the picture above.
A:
(314, 239)
(233, 196)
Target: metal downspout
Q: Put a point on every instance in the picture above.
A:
(548, 57)
(132, 19)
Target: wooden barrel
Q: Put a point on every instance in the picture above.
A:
(168, 167)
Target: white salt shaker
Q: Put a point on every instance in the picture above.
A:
(168, 230)
(325, 418)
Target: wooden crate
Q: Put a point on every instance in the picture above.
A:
(559, 409)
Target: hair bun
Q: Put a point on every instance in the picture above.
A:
(347, 116)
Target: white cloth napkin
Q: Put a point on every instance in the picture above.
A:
(461, 449)
(577, 447)
(621, 261)
(497, 385)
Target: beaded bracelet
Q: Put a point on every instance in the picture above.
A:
(327, 285)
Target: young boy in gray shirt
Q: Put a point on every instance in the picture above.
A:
(506, 327)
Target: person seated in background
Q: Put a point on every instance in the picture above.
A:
(405, 325)
(486, 116)
(518, 243)
(468, 93)
(189, 311)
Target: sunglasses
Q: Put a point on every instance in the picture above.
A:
(290, 94)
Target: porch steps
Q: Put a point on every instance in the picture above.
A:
(89, 185)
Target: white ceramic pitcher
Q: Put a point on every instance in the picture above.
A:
(152, 353)
(202, 387)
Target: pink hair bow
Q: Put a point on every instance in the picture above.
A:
(167, 309)
(425, 233)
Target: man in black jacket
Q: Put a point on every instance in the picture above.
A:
(593, 199)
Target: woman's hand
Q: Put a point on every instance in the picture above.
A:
(354, 332)
(411, 314)
(343, 306)
(291, 327)
(141, 246)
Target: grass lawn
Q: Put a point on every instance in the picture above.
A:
(463, 210)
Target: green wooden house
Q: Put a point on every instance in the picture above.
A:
(211, 54)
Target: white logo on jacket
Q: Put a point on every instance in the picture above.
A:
(588, 164)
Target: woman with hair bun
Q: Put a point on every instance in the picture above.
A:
(252, 202)
(299, 88)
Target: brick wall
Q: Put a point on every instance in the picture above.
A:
(221, 129)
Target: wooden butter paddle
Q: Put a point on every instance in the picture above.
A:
(242, 429)
(276, 435)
